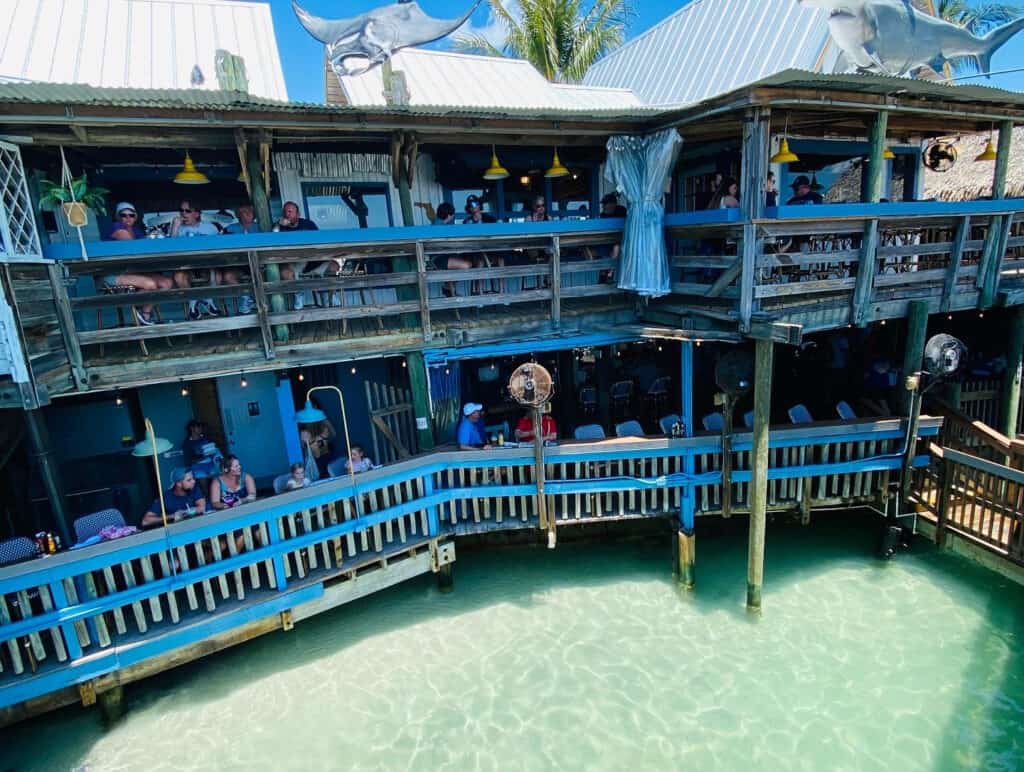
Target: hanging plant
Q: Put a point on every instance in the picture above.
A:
(73, 197)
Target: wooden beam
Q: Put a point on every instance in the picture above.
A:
(913, 348)
(727, 277)
(956, 253)
(261, 204)
(556, 282)
(991, 265)
(1011, 387)
(753, 178)
(873, 181)
(261, 304)
(759, 459)
(1002, 160)
(389, 435)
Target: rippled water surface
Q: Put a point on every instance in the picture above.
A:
(590, 657)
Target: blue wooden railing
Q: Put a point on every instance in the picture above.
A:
(74, 617)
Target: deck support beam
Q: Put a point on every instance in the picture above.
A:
(686, 551)
(913, 348)
(1010, 392)
(446, 578)
(112, 704)
(685, 563)
(999, 226)
(765, 357)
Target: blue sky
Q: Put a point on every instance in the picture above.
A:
(302, 56)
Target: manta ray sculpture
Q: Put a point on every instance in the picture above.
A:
(376, 35)
(892, 37)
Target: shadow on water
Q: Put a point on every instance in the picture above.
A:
(522, 576)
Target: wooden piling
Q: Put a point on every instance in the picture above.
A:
(420, 399)
(686, 550)
(446, 578)
(112, 704)
(913, 351)
(1010, 391)
(765, 356)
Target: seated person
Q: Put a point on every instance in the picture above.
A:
(539, 210)
(470, 433)
(525, 430)
(189, 222)
(246, 216)
(771, 195)
(232, 486)
(802, 193)
(126, 227)
(318, 437)
(446, 216)
(357, 461)
(298, 478)
(475, 213)
(201, 453)
(183, 499)
(289, 222)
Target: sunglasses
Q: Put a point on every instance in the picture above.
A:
(127, 214)
(539, 206)
(188, 211)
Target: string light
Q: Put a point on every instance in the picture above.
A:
(243, 382)
(302, 376)
(118, 399)
(404, 364)
(981, 314)
(353, 371)
(184, 389)
(883, 322)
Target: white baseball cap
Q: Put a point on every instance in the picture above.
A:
(471, 407)
(125, 206)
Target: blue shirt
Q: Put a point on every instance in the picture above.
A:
(470, 433)
(173, 502)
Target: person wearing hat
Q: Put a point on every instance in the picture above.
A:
(470, 433)
(475, 213)
(610, 206)
(802, 193)
(127, 226)
(183, 499)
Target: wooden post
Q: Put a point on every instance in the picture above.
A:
(728, 406)
(753, 178)
(871, 193)
(446, 578)
(686, 549)
(418, 376)
(942, 505)
(547, 519)
(424, 292)
(112, 704)
(765, 356)
(556, 282)
(1002, 160)
(999, 226)
(261, 205)
(1010, 392)
(913, 348)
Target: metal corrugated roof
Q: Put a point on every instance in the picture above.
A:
(711, 47)
(445, 78)
(138, 43)
(205, 99)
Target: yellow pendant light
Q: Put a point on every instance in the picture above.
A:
(495, 171)
(989, 153)
(556, 170)
(190, 175)
(785, 155)
(887, 154)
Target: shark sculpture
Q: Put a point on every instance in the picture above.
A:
(894, 38)
(376, 35)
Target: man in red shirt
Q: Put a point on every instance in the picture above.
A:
(524, 429)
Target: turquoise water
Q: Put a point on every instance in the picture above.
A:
(590, 657)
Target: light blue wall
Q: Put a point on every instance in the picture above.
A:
(257, 440)
(169, 412)
(91, 429)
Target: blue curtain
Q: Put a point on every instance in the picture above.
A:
(640, 168)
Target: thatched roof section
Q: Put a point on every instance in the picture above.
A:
(966, 181)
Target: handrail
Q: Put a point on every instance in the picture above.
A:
(217, 523)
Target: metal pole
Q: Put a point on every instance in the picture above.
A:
(348, 444)
(151, 434)
(765, 356)
(42, 449)
(686, 537)
(728, 405)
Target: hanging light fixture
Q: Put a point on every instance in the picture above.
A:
(989, 153)
(243, 381)
(190, 175)
(557, 169)
(887, 154)
(785, 155)
(184, 389)
(495, 171)
(118, 399)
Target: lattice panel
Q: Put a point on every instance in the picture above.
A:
(17, 222)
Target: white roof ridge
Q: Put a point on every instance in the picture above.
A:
(612, 89)
(463, 55)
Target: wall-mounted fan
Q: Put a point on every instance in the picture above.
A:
(940, 156)
(943, 355)
(531, 384)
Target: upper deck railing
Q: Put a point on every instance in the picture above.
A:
(88, 612)
(391, 290)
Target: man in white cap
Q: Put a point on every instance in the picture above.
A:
(470, 433)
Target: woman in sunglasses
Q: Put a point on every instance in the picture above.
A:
(189, 222)
(127, 227)
(539, 210)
